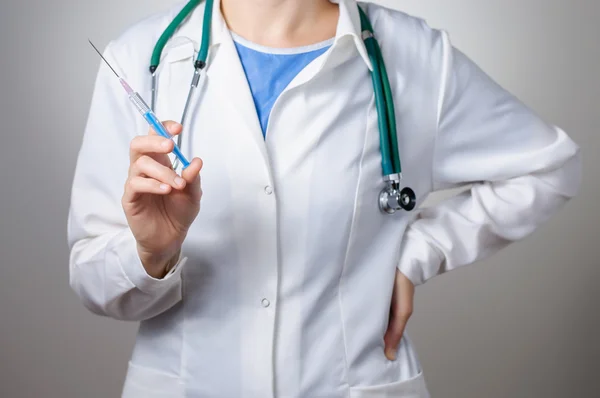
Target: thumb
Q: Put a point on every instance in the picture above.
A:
(191, 175)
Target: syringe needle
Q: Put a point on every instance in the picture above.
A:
(104, 59)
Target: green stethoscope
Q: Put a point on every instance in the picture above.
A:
(391, 198)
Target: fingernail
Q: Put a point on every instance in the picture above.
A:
(390, 354)
(166, 143)
(164, 187)
(179, 181)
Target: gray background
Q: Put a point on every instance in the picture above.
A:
(521, 324)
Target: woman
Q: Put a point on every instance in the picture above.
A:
(276, 274)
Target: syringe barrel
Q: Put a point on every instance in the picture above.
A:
(161, 130)
(139, 103)
(156, 124)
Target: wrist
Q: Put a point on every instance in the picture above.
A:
(158, 265)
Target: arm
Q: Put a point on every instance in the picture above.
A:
(105, 268)
(522, 170)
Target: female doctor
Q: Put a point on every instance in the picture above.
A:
(268, 268)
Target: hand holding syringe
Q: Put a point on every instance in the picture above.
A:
(145, 111)
(159, 204)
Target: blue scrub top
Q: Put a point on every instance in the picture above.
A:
(270, 70)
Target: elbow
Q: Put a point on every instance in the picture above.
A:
(89, 291)
(575, 166)
(87, 298)
(90, 298)
(99, 283)
(120, 301)
(560, 169)
(519, 206)
(108, 289)
(95, 298)
(565, 181)
(116, 308)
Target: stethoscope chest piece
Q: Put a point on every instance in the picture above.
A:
(392, 199)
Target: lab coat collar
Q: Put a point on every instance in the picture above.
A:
(192, 28)
(348, 26)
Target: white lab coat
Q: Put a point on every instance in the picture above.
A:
(286, 285)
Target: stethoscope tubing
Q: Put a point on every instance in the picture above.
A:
(388, 137)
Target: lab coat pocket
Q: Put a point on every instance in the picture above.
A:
(412, 388)
(150, 383)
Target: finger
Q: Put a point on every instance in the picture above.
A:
(173, 128)
(138, 185)
(401, 311)
(393, 335)
(149, 145)
(145, 166)
(191, 174)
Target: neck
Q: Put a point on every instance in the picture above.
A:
(281, 23)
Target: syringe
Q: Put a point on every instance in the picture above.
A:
(145, 111)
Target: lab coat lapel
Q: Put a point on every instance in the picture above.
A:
(227, 74)
(174, 77)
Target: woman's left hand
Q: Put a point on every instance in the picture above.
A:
(400, 311)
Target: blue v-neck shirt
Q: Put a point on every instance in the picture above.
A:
(270, 70)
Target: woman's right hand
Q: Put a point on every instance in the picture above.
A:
(159, 205)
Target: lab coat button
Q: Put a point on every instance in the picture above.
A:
(265, 303)
(268, 190)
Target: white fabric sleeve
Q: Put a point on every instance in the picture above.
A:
(522, 172)
(105, 269)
